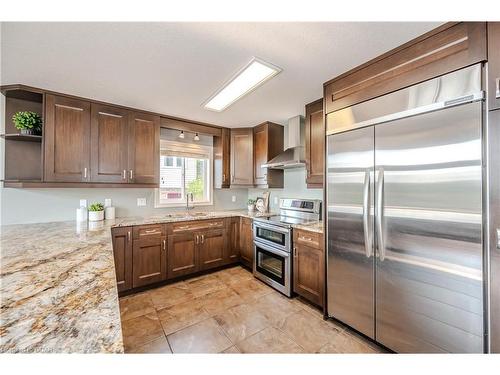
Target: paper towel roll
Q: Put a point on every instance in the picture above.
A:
(81, 214)
(109, 213)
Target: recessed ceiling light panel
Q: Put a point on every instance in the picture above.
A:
(254, 74)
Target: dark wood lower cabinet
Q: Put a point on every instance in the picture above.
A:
(122, 253)
(148, 254)
(233, 248)
(246, 242)
(182, 254)
(211, 249)
(149, 261)
(309, 267)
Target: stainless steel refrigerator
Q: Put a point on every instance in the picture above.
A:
(405, 216)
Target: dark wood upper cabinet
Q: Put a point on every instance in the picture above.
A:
(144, 148)
(149, 261)
(242, 157)
(212, 247)
(315, 144)
(309, 266)
(222, 163)
(268, 143)
(109, 144)
(447, 48)
(66, 139)
(182, 254)
(494, 65)
(246, 242)
(122, 253)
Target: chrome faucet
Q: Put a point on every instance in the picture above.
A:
(187, 201)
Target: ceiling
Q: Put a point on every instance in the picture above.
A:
(172, 68)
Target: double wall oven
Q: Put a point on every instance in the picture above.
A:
(273, 241)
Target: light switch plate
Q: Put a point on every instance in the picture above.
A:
(233, 198)
(83, 203)
(141, 202)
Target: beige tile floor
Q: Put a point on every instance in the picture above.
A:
(230, 311)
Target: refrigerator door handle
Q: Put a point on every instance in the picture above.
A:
(380, 214)
(366, 214)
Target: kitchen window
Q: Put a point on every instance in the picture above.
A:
(184, 168)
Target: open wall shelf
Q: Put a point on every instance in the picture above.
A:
(22, 137)
(23, 153)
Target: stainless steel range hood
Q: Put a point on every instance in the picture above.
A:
(293, 155)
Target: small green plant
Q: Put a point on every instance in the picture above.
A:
(26, 120)
(251, 201)
(96, 207)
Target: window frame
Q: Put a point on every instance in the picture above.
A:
(195, 150)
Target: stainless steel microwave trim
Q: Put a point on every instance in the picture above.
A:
(287, 257)
(286, 231)
(462, 86)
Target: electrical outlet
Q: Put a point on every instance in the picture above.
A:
(233, 198)
(275, 200)
(83, 203)
(141, 202)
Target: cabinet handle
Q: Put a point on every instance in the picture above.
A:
(85, 173)
(124, 174)
(295, 251)
(497, 88)
(151, 231)
(306, 238)
(131, 173)
(197, 240)
(129, 236)
(232, 178)
(223, 177)
(202, 238)
(164, 245)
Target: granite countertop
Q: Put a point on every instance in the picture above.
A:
(58, 286)
(58, 289)
(180, 216)
(316, 227)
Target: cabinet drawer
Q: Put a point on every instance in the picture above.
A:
(308, 238)
(188, 226)
(149, 231)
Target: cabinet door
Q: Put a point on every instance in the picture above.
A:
(308, 273)
(246, 242)
(242, 156)
(222, 151)
(233, 249)
(212, 248)
(150, 261)
(260, 141)
(182, 254)
(109, 137)
(122, 253)
(144, 148)
(67, 139)
(494, 64)
(315, 144)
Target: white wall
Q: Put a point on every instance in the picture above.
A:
(294, 187)
(45, 205)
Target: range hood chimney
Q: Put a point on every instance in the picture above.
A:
(293, 155)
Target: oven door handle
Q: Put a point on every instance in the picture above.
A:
(271, 249)
(271, 227)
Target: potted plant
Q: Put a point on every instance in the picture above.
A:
(96, 212)
(251, 205)
(28, 122)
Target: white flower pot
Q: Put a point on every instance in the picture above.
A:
(96, 215)
(251, 208)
